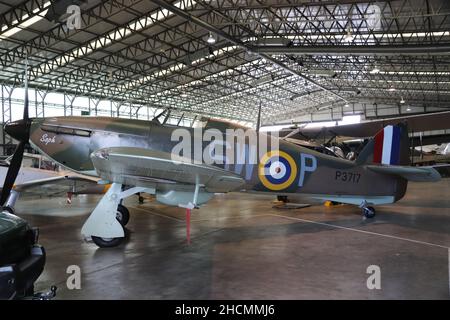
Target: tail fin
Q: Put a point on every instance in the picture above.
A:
(390, 146)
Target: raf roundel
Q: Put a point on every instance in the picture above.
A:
(277, 170)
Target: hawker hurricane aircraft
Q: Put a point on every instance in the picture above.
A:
(138, 156)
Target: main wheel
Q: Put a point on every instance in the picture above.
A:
(283, 199)
(107, 242)
(122, 215)
(369, 212)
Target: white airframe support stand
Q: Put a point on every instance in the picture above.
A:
(102, 222)
(189, 207)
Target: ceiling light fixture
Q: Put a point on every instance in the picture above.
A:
(402, 101)
(408, 109)
(349, 36)
(211, 39)
(391, 89)
(375, 70)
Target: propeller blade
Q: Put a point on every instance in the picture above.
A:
(19, 130)
(12, 173)
(25, 109)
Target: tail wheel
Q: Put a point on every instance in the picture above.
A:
(107, 242)
(369, 212)
(122, 215)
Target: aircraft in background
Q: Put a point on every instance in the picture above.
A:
(431, 154)
(416, 123)
(44, 178)
(349, 139)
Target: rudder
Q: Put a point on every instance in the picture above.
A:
(390, 146)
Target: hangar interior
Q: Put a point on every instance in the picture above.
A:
(297, 64)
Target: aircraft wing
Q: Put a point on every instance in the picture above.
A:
(33, 181)
(57, 183)
(416, 123)
(143, 167)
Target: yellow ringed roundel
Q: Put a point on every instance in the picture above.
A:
(277, 170)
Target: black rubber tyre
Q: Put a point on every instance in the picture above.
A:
(107, 242)
(122, 215)
(141, 200)
(283, 199)
(369, 212)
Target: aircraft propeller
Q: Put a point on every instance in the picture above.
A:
(19, 130)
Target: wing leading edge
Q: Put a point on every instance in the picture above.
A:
(141, 167)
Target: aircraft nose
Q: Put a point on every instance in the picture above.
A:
(19, 130)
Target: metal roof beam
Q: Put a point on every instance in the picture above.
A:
(20, 13)
(181, 13)
(363, 50)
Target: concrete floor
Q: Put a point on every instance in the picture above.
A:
(243, 248)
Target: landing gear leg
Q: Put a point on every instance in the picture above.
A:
(102, 225)
(123, 216)
(106, 223)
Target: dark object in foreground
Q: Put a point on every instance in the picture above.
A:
(22, 260)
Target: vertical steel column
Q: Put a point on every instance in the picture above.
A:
(96, 103)
(42, 95)
(7, 115)
(137, 111)
(36, 102)
(71, 105)
(119, 104)
(3, 122)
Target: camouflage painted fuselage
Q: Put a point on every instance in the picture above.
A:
(71, 140)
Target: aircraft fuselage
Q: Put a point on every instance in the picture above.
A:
(70, 141)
